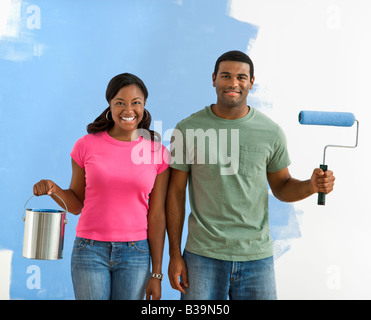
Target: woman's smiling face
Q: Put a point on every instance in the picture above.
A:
(127, 109)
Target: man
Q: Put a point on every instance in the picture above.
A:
(227, 152)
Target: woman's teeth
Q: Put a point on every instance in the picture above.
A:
(128, 119)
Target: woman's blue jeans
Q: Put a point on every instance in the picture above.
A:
(110, 270)
(211, 279)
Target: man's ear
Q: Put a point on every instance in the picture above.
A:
(214, 78)
(252, 82)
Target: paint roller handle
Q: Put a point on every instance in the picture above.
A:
(322, 195)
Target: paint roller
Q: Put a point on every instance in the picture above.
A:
(322, 118)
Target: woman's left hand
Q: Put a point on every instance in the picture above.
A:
(153, 289)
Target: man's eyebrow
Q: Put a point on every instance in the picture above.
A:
(239, 74)
(131, 100)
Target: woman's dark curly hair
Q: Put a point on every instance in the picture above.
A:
(102, 124)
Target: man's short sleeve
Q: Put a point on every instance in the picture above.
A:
(280, 157)
(179, 150)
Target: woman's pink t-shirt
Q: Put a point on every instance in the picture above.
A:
(119, 177)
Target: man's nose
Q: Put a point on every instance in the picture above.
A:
(233, 82)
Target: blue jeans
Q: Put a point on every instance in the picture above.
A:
(110, 270)
(211, 279)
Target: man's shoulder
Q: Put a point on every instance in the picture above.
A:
(193, 118)
(264, 119)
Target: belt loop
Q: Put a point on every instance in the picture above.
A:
(91, 242)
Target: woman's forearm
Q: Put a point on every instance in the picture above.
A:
(74, 205)
(156, 239)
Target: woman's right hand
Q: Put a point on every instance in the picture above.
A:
(44, 187)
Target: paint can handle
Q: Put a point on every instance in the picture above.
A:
(24, 208)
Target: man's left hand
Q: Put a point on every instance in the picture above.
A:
(322, 181)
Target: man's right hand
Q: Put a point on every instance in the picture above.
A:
(178, 268)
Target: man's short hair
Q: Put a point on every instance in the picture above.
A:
(235, 55)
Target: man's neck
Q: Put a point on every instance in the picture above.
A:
(230, 113)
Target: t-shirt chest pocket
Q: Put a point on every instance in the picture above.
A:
(252, 161)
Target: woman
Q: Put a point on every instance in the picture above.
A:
(121, 199)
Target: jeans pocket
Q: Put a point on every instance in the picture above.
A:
(79, 243)
(141, 246)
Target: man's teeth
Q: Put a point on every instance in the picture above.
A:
(128, 119)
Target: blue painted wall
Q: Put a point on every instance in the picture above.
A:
(55, 85)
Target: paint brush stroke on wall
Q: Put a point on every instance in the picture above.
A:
(285, 224)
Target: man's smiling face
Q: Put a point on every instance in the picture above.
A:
(233, 83)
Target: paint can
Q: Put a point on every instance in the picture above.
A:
(43, 232)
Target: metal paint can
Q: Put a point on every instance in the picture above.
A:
(44, 233)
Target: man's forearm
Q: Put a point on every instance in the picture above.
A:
(294, 190)
(175, 213)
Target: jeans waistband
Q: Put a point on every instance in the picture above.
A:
(113, 243)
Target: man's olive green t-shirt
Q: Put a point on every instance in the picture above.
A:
(227, 163)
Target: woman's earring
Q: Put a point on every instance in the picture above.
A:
(107, 113)
(146, 112)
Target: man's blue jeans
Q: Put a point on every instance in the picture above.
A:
(211, 279)
(110, 270)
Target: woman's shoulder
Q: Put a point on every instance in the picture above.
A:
(156, 145)
(91, 137)
(88, 140)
